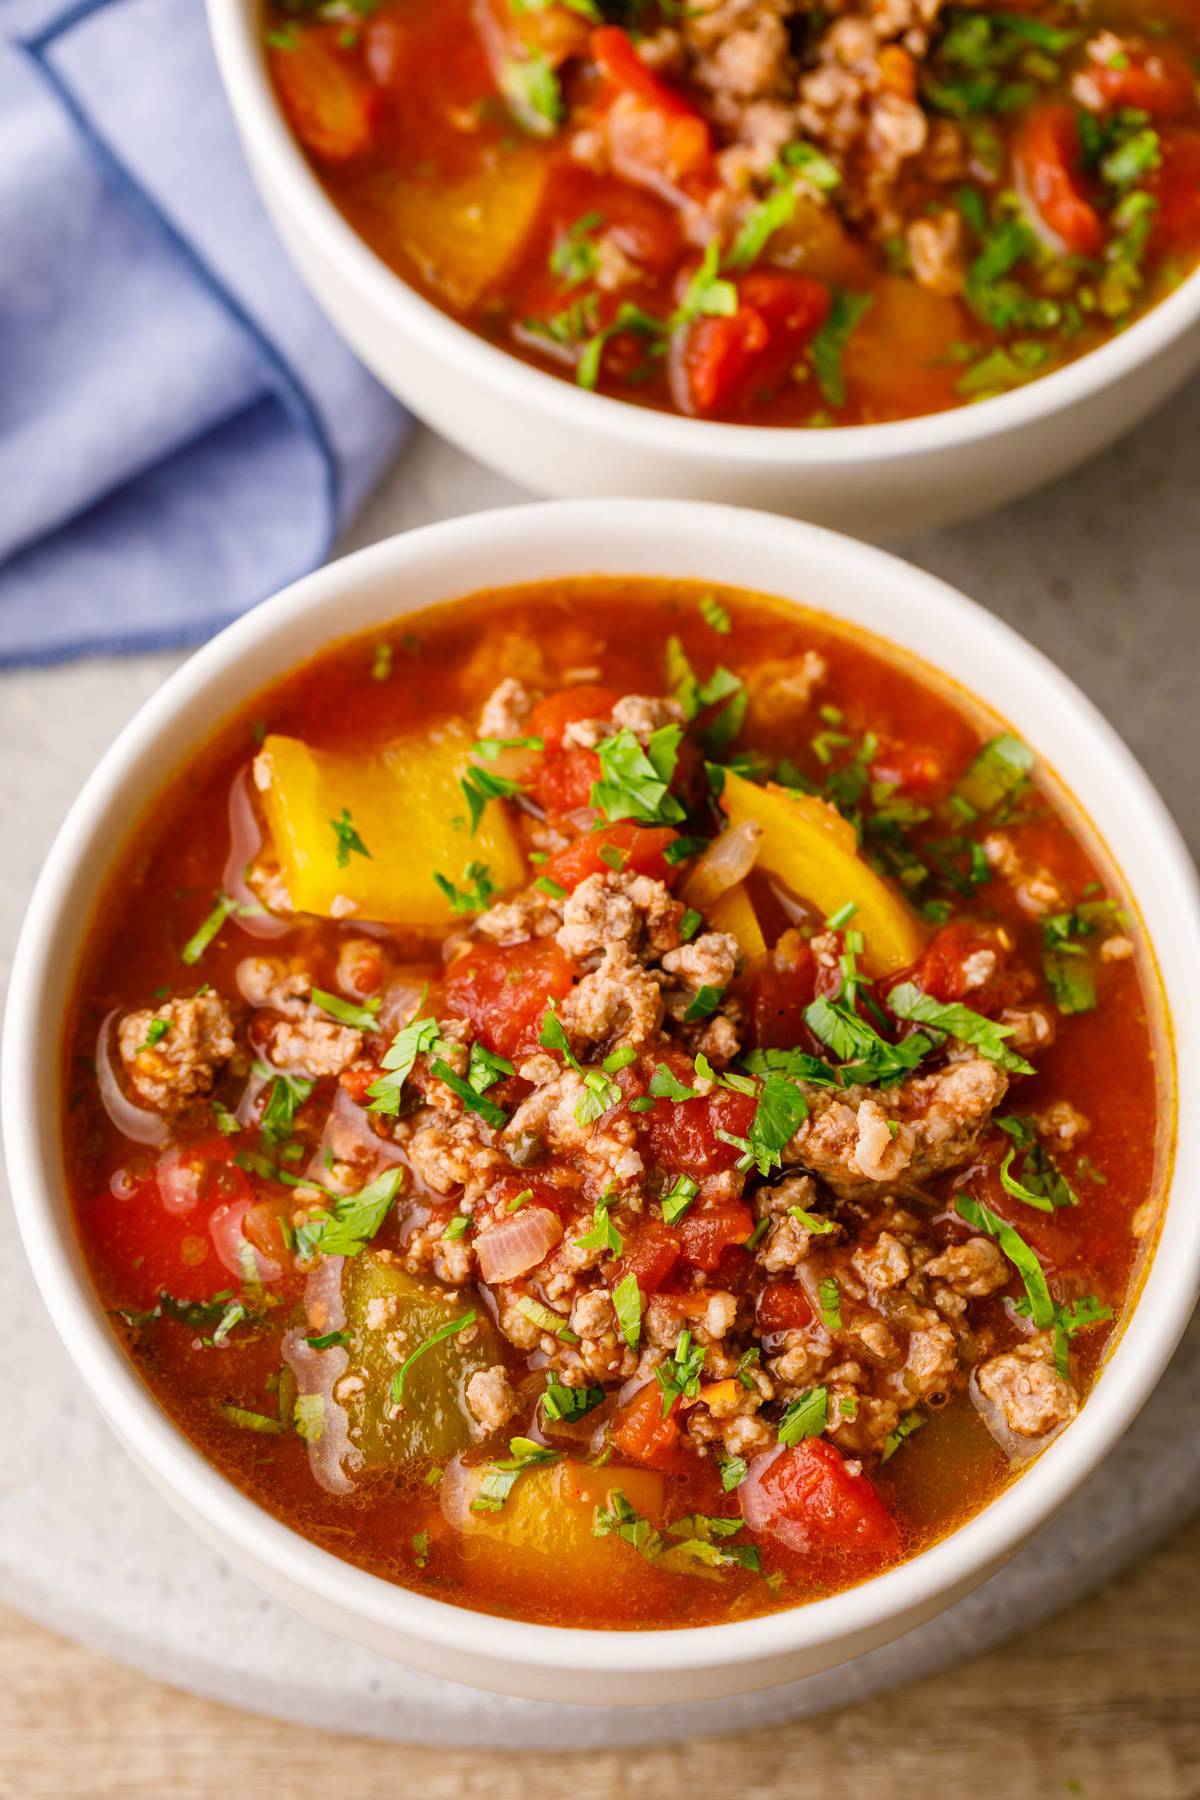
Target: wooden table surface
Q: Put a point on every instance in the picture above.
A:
(1104, 1702)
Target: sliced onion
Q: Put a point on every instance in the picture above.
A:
(348, 1138)
(332, 1458)
(1017, 1448)
(245, 842)
(759, 1510)
(232, 1245)
(518, 1244)
(403, 996)
(181, 1176)
(795, 910)
(728, 860)
(135, 1122)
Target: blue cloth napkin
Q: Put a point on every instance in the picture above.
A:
(181, 430)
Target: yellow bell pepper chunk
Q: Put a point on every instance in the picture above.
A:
(544, 1528)
(401, 804)
(813, 851)
(733, 912)
(464, 237)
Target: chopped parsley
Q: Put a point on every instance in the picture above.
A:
(997, 773)
(911, 1421)
(733, 1471)
(678, 1197)
(472, 1099)
(286, 1095)
(481, 785)
(603, 1235)
(870, 1058)
(347, 842)
(531, 88)
(223, 908)
(715, 616)
(545, 1320)
(627, 1304)
(575, 257)
(829, 1299)
(636, 783)
(805, 1417)
(156, 1031)
(450, 1329)
(360, 1018)
(1018, 1252)
(501, 1478)
(1042, 1183)
(308, 1416)
(828, 347)
(352, 1221)
(476, 892)
(568, 1403)
(679, 1375)
(420, 1037)
(985, 1035)
(705, 1001)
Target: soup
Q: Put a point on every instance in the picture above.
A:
(614, 1104)
(764, 211)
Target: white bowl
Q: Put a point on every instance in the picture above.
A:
(440, 562)
(873, 480)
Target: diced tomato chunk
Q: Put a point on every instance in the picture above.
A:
(551, 716)
(504, 989)
(779, 994)
(155, 1233)
(783, 1306)
(913, 770)
(656, 137)
(807, 1500)
(720, 363)
(332, 107)
(637, 849)
(1176, 188)
(707, 1234)
(641, 1434)
(951, 966)
(1047, 162)
(1157, 82)
(649, 1256)
(682, 1134)
(564, 783)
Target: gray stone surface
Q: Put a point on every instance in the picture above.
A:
(1100, 571)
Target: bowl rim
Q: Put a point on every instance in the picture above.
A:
(680, 529)
(292, 181)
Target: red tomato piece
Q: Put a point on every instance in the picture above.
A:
(913, 770)
(656, 137)
(1047, 162)
(564, 783)
(550, 717)
(807, 1500)
(1157, 82)
(945, 971)
(720, 363)
(650, 1256)
(635, 849)
(779, 995)
(504, 989)
(1176, 187)
(706, 1235)
(639, 1431)
(333, 109)
(682, 1134)
(783, 1306)
(155, 1234)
